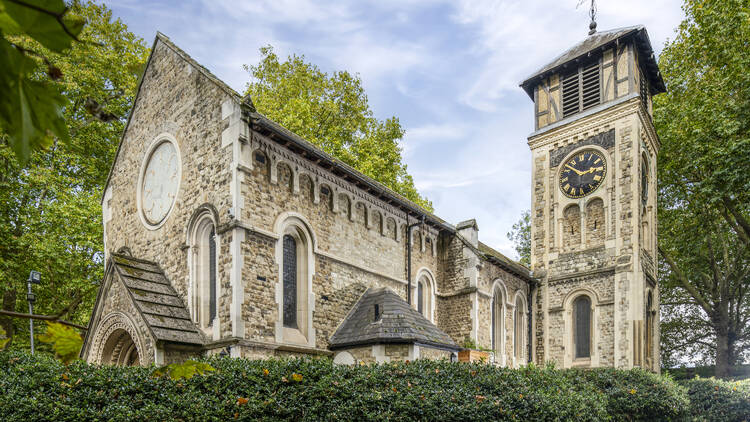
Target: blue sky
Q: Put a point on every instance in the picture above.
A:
(448, 69)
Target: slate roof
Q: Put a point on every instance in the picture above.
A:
(167, 317)
(507, 263)
(601, 39)
(398, 323)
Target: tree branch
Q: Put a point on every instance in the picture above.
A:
(42, 318)
(744, 226)
(686, 283)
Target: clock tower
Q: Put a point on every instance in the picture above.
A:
(593, 214)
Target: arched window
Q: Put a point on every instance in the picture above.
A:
(294, 256)
(571, 226)
(423, 299)
(420, 297)
(498, 324)
(650, 314)
(518, 329)
(204, 271)
(582, 327)
(290, 282)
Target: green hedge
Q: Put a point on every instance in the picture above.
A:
(717, 400)
(42, 389)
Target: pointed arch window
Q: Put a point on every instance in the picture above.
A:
(582, 327)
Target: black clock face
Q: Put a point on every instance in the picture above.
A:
(582, 174)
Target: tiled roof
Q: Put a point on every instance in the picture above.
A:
(398, 323)
(600, 39)
(156, 299)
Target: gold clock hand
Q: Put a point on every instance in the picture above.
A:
(577, 172)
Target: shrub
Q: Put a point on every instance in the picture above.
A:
(637, 394)
(717, 400)
(41, 389)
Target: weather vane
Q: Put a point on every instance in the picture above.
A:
(592, 13)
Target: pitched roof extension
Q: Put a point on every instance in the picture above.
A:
(156, 300)
(397, 323)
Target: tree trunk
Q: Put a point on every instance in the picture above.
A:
(722, 351)
(9, 304)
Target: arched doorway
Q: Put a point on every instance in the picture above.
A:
(120, 349)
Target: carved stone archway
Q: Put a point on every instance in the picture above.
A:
(117, 343)
(120, 349)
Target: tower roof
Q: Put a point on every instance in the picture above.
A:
(397, 322)
(600, 40)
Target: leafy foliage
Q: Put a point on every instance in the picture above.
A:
(704, 185)
(314, 389)
(50, 211)
(637, 394)
(332, 112)
(3, 339)
(520, 235)
(717, 400)
(66, 342)
(31, 109)
(184, 370)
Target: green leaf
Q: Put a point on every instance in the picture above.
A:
(3, 339)
(30, 111)
(46, 21)
(185, 370)
(66, 342)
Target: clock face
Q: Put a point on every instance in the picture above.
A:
(582, 174)
(161, 180)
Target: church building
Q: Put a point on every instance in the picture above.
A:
(225, 233)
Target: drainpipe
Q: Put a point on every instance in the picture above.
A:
(409, 227)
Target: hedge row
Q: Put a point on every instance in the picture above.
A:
(42, 389)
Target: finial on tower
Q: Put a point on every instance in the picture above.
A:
(592, 13)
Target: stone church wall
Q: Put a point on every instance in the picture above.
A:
(355, 247)
(177, 99)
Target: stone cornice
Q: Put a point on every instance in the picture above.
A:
(322, 176)
(559, 279)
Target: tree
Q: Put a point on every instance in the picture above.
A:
(704, 175)
(520, 235)
(332, 111)
(31, 108)
(50, 211)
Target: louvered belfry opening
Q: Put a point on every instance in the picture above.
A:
(644, 90)
(581, 88)
(570, 94)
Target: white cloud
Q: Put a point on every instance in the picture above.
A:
(448, 69)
